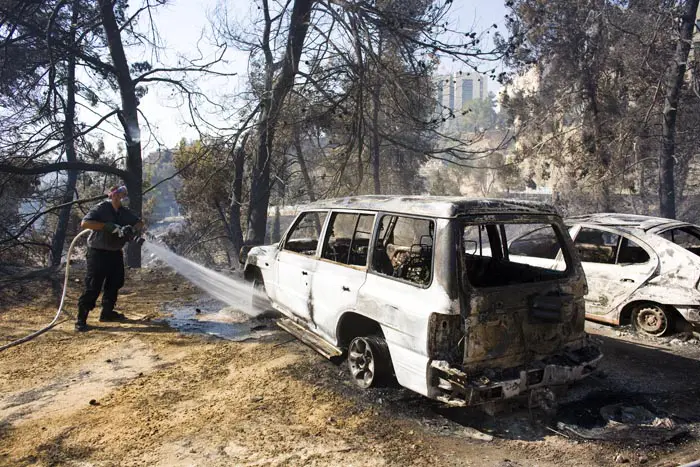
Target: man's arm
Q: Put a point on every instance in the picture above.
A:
(94, 220)
(92, 225)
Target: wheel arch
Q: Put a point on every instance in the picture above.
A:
(252, 272)
(352, 324)
(625, 316)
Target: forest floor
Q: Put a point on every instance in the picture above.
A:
(165, 390)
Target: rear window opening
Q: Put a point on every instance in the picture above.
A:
(501, 254)
(686, 237)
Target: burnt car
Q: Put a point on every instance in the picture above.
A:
(640, 270)
(424, 290)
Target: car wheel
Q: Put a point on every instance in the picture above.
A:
(259, 300)
(369, 361)
(652, 319)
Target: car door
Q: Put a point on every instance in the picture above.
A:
(341, 270)
(616, 264)
(295, 264)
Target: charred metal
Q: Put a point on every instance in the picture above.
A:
(438, 292)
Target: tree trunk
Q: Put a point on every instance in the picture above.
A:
(267, 123)
(375, 139)
(129, 119)
(674, 82)
(59, 237)
(234, 225)
(303, 167)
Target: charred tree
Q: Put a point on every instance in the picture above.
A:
(276, 90)
(235, 232)
(129, 119)
(674, 83)
(59, 236)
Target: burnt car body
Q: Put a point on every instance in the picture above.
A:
(640, 270)
(424, 289)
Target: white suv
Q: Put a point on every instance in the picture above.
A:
(424, 289)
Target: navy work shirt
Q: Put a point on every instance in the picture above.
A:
(105, 212)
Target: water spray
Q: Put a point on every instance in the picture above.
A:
(226, 289)
(229, 290)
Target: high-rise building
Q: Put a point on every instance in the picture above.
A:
(454, 91)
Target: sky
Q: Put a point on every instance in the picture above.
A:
(182, 23)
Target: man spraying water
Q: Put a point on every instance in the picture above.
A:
(112, 225)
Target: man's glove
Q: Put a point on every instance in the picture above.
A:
(112, 228)
(127, 232)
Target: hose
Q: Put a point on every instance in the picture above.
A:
(60, 306)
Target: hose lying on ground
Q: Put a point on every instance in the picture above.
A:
(60, 306)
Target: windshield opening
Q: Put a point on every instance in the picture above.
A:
(500, 254)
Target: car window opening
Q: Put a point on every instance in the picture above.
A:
(347, 239)
(404, 249)
(686, 237)
(303, 237)
(500, 254)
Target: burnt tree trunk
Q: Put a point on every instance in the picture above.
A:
(275, 93)
(59, 237)
(303, 168)
(129, 119)
(674, 82)
(235, 232)
(375, 140)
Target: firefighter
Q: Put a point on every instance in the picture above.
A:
(112, 225)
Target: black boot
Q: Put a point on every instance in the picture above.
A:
(81, 322)
(108, 314)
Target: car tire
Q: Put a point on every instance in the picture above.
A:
(652, 319)
(369, 361)
(258, 300)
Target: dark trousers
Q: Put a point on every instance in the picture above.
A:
(104, 269)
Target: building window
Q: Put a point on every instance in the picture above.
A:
(467, 90)
(452, 94)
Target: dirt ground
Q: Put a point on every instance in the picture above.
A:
(146, 393)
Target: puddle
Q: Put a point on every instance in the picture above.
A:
(214, 318)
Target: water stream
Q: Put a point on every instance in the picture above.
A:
(226, 314)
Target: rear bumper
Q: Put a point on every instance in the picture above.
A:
(456, 387)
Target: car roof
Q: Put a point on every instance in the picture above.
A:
(434, 206)
(627, 221)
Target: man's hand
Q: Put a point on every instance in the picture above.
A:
(112, 228)
(128, 232)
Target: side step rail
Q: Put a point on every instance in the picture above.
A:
(309, 338)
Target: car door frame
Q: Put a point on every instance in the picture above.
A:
(324, 319)
(306, 264)
(610, 312)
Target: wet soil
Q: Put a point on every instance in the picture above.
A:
(179, 387)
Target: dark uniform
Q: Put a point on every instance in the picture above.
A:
(105, 261)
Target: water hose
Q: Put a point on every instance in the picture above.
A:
(60, 306)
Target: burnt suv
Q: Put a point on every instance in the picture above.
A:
(430, 291)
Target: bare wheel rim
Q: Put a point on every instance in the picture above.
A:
(652, 320)
(361, 361)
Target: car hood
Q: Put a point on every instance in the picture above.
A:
(260, 252)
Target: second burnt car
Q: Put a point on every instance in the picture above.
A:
(425, 289)
(640, 270)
